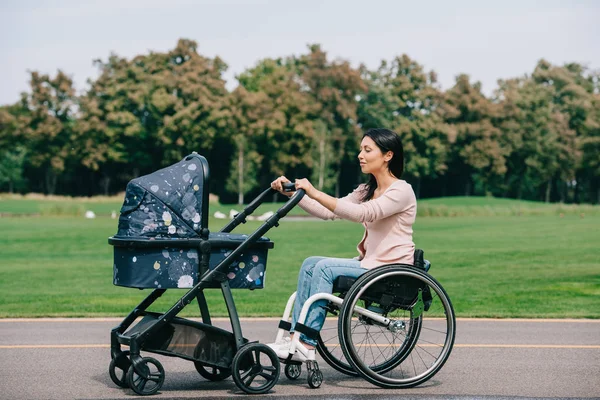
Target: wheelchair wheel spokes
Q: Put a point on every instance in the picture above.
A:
(329, 348)
(381, 348)
(415, 340)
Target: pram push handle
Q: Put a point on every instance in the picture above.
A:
(282, 212)
(289, 187)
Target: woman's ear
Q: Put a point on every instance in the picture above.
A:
(388, 156)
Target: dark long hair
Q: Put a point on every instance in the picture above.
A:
(386, 140)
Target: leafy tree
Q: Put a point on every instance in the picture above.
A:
(572, 91)
(249, 122)
(333, 87)
(478, 155)
(149, 112)
(287, 138)
(49, 127)
(541, 141)
(403, 97)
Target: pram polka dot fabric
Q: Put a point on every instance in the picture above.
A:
(162, 221)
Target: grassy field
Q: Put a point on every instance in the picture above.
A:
(494, 263)
(34, 204)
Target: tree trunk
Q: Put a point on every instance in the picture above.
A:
(418, 189)
(468, 189)
(576, 189)
(321, 163)
(105, 184)
(240, 175)
(548, 189)
(10, 187)
(50, 181)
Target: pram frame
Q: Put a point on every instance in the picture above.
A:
(207, 280)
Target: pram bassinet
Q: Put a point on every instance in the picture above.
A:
(162, 223)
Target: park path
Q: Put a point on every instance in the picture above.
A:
(68, 359)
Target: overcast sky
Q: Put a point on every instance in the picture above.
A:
(486, 39)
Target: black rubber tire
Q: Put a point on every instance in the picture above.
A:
(138, 379)
(293, 371)
(315, 378)
(414, 278)
(121, 363)
(247, 365)
(214, 374)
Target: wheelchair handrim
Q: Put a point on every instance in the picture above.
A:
(374, 376)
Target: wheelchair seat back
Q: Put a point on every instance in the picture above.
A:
(390, 294)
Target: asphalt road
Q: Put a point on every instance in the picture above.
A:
(492, 359)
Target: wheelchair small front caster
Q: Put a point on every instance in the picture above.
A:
(315, 376)
(293, 371)
(146, 377)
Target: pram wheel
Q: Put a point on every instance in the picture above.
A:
(214, 374)
(255, 368)
(118, 369)
(293, 371)
(146, 377)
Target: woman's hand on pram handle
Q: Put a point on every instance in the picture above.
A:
(283, 186)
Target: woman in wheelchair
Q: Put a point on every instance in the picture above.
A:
(385, 205)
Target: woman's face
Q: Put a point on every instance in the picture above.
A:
(371, 159)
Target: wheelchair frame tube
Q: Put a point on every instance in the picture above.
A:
(286, 316)
(296, 344)
(334, 299)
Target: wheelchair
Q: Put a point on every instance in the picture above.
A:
(395, 327)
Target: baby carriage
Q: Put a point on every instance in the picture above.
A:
(163, 242)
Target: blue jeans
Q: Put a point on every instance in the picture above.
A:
(317, 276)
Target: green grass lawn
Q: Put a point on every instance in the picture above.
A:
(491, 266)
(438, 207)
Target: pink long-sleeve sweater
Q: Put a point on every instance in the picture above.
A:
(387, 220)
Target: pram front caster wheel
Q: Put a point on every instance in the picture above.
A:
(255, 368)
(146, 377)
(293, 371)
(118, 369)
(214, 374)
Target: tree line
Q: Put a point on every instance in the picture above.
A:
(537, 137)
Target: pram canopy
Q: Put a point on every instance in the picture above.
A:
(170, 203)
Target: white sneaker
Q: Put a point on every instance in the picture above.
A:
(282, 342)
(284, 352)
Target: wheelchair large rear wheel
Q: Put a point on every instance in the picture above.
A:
(411, 338)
